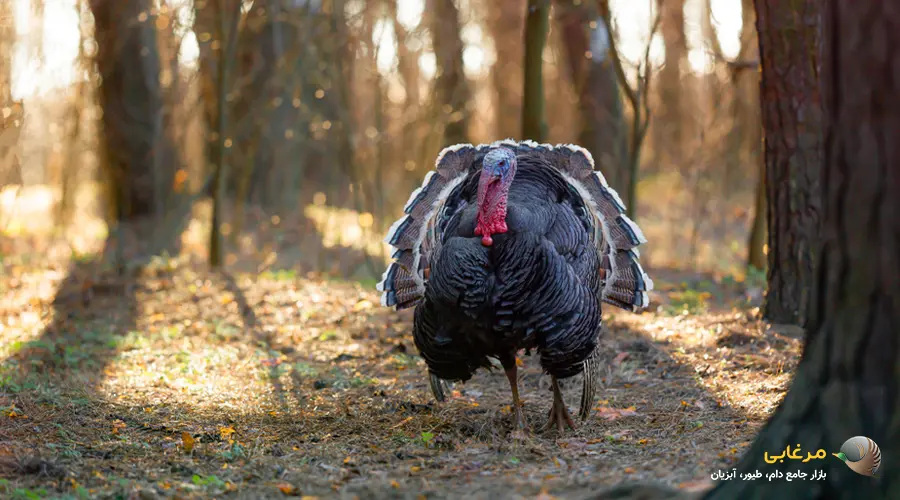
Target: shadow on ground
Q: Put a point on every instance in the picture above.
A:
(197, 384)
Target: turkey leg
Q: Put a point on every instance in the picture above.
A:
(518, 414)
(559, 415)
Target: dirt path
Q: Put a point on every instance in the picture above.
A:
(183, 384)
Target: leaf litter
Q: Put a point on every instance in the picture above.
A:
(192, 384)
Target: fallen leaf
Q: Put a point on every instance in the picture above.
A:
(616, 413)
(187, 442)
(362, 305)
(394, 483)
(226, 432)
(287, 489)
(620, 357)
(629, 470)
(117, 426)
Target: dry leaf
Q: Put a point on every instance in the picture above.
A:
(187, 442)
(288, 489)
(226, 432)
(362, 305)
(620, 357)
(117, 426)
(394, 483)
(616, 413)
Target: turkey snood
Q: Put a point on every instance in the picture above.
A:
(498, 170)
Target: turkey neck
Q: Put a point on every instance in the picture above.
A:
(492, 196)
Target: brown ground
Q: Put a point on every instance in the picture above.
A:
(183, 383)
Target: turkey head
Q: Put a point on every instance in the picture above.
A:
(498, 170)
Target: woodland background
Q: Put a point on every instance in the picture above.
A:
(324, 115)
(193, 197)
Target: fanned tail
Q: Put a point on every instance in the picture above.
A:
(625, 283)
(414, 236)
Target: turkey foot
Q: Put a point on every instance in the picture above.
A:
(559, 415)
(521, 426)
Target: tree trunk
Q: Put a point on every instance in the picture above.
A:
(593, 75)
(507, 26)
(747, 136)
(7, 44)
(847, 383)
(537, 23)
(669, 121)
(756, 255)
(451, 86)
(132, 101)
(791, 115)
(229, 15)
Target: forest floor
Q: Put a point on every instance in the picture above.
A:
(186, 383)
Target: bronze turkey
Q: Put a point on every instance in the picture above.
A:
(512, 246)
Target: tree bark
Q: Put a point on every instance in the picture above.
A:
(132, 101)
(669, 121)
(229, 15)
(791, 116)
(847, 383)
(537, 23)
(748, 136)
(593, 75)
(506, 22)
(7, 44)
(451, 86)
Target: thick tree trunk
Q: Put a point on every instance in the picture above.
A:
(791, 115)
(593, 75)
(537, 23)
(847, 383)
(669, 121)
(507, 25)
(451, 86)
(132, 101)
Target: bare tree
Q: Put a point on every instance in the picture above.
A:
(134, 140)
(747, 131)
(451, 88)
(668, 128)
(537, 23)
(7, 41)
(228, 15)
(846, 383)
(593, 75)
(506, 22)
(791, 115)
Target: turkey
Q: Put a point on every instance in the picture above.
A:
(511, 246)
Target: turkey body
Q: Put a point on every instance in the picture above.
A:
(537, 287)
(510, 246)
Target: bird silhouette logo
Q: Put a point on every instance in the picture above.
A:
(861, 454)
